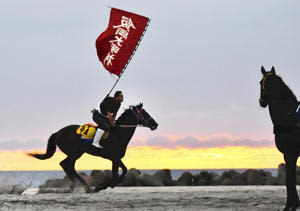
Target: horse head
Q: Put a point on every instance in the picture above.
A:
(265, 85)
(143, 117)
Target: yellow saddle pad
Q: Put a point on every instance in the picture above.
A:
(87, 131)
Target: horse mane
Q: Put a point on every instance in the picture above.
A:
(124, 114)
(280, 91)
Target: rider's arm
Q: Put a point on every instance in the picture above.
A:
(111, 118)
(114, 117)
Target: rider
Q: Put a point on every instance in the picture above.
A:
(106, 115)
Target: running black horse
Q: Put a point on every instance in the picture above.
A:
(282, 108)
(69, 142)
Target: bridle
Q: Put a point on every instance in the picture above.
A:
(138, 114)
(264, 81)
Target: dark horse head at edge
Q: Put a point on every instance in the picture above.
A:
(282, 104)
(274, 90)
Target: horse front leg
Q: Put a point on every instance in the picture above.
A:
(124, 172)
(115, 174)
(292, 196)
(114, 179)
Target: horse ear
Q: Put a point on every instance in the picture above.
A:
(273, 70)
(140, 106)
(263, 71)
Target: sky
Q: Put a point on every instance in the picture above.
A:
(197, 71)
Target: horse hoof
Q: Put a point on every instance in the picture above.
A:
(88, 190)
(292, 206)
(71, 189)
(91, 191)
(100, 187)
(113, 184)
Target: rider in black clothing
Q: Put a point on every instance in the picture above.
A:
(108, 111)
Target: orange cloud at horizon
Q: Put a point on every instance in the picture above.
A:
(145, 157)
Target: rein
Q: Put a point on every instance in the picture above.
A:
(139, 116)
(130, 126)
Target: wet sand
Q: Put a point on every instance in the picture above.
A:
(151, 198)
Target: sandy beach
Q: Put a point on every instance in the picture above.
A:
(151, 198)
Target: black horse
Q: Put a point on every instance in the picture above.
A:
(115, 147)
(282, 108)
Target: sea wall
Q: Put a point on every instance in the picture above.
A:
(164, 178)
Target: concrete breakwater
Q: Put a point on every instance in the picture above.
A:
(163, 178)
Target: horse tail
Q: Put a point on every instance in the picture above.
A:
(51, 148)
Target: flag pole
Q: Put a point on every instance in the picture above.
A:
(113, 86)
(137, 45)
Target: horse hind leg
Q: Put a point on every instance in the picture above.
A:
(68, 166)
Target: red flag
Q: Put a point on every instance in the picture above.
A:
(117, 44)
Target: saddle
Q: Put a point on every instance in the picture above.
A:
(88, 131)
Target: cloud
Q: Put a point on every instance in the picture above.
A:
(211, 142)
(29, 144)
(158, 141)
